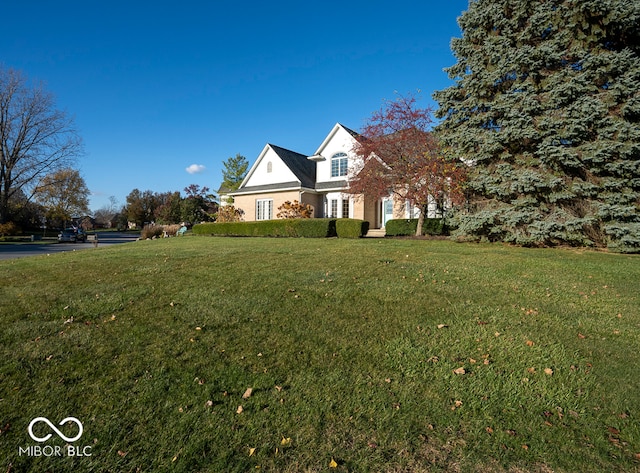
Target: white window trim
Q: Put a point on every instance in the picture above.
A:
(338, 158)
(264, 206)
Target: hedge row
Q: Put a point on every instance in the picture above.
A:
(404, 227)
(351, 228)
(298, 227)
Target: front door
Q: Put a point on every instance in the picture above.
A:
(387, 210)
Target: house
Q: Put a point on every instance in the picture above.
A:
(320, 180)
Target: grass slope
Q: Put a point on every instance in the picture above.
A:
(362, 355)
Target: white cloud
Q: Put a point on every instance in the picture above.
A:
(195, 169)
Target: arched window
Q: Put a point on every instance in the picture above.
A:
(269, 166)
(339, 165)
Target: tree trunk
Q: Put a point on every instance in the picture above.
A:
(423, 212)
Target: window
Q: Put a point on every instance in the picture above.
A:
(339, 165)
(264, 209)
(269, 166)
(334, 208)
(345, 208)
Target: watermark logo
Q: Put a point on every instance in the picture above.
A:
(53, 427)
(55, 450)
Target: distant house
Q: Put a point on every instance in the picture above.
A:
(320, 180)
(223, 196)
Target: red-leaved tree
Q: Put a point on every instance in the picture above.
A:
(397, 155)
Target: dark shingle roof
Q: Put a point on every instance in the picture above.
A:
(303, 169)
(355, 134)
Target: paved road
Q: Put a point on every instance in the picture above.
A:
(8, 251)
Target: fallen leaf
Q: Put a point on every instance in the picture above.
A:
(239, 410)
(333, 464)
(460, 370)
(252, 451)
(531, 370)
(285, 441)
(122, 454)
(581, 336)
(530, 343)
(613, 430)
(247, 393)
(489, 430)
(548, 371)
(442, 326)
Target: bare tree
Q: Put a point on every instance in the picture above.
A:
(36, 139)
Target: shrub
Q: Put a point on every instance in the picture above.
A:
(351, 228)
(228, 213)
(156, 231)
(295, 210)
(8, 228)
(306, 228)
(405, 227)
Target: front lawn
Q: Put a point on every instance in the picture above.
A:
(231, 355)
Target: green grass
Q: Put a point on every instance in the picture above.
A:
(351, 348)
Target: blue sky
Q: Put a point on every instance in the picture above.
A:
(157, 86)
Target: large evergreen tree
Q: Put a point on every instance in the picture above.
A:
(546, 108)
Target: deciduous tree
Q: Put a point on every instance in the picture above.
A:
(64, 195)
(36, 139)
(546, 103)
(141, 206)
(199, 204)
(398, 155)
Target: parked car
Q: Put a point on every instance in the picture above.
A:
(72, 235)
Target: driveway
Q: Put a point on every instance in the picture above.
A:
(21, 250)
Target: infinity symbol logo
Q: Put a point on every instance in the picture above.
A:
(53, 427)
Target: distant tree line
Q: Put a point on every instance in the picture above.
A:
(197, 205)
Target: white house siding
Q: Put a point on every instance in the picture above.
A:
(338, 141)
(269, 169)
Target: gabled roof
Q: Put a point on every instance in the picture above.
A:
(303, 169)
(317, 156)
